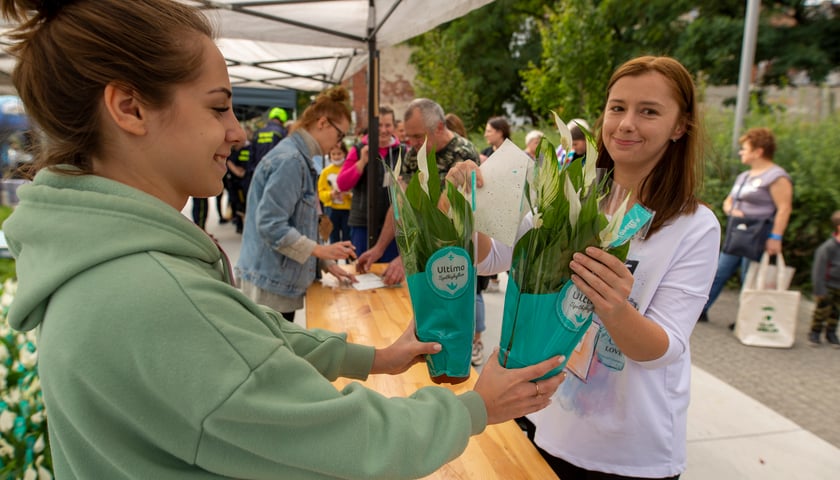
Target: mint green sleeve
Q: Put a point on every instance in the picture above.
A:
(286, 421)
(329, 352)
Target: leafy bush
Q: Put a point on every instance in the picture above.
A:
(808, 150)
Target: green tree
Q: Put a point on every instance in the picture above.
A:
(440, 78)
(495, 42)
(574, 70)
(584, 40)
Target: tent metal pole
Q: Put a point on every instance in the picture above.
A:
(374, 166)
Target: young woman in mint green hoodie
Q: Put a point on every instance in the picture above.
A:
(153, 365)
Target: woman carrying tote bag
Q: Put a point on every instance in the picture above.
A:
(765, 191)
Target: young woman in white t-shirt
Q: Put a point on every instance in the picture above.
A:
(626, 416)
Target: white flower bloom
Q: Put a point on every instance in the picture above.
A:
(610, 233)
(6, 450)
(44, 474)
(38, 447)
(30, 474)
(12, 396)
(28, 359)
(565, 135)
(423, 167)
(33, 388)
(574, 201)
(7, 421)
(538, 221)
(37, 417)
(6, 298)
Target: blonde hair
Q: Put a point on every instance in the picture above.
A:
(332, 103)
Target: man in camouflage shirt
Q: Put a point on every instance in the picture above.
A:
(424, 122)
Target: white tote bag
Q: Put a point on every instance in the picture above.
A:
(767, 316)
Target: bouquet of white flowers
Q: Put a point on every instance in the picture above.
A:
(24, 446)
(437, 254)
(574, 207)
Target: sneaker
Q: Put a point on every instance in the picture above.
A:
(477, 353)
(814, 339)
(831, 338)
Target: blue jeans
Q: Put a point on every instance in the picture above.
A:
(480, 324)
(358, 235)
(727, 266)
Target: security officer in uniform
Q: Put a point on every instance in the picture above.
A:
(267, 137)
(235, 183)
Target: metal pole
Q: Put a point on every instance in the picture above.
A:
(374, 167)
(745, 75)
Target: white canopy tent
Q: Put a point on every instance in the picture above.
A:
(312, 44)
(309, 44)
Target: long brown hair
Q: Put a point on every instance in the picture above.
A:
(670, 188)
(67, 52)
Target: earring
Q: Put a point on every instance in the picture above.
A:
(673, 140)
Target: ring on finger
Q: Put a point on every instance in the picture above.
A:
(539, 393)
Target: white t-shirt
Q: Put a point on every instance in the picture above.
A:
(629, 418)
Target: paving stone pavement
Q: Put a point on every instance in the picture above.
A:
(801, 383)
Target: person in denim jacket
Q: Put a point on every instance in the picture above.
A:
(280, 251)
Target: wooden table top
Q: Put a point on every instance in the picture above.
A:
(378, 317)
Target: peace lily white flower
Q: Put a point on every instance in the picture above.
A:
(590, 171)
(6, 450)
(37, 417)
(6, 299)
(565, 135)
(38, 447)
(30, 474)
(538, 221)
(44, 474)
(610, 233)
(33, 388)
(7, 421)
(423, 168)
(28, 359)
(12, 396)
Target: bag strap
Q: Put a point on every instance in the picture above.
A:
(762, 271)
(738, 194)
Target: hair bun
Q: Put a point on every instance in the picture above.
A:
(50, 8)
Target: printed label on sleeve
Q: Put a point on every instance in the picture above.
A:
(448, 272)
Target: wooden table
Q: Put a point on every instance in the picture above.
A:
(377, 317)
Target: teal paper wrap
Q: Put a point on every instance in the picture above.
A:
(443, 298)
(536, 327)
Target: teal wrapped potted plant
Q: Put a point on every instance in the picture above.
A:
(438, 257)
(574, 206)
